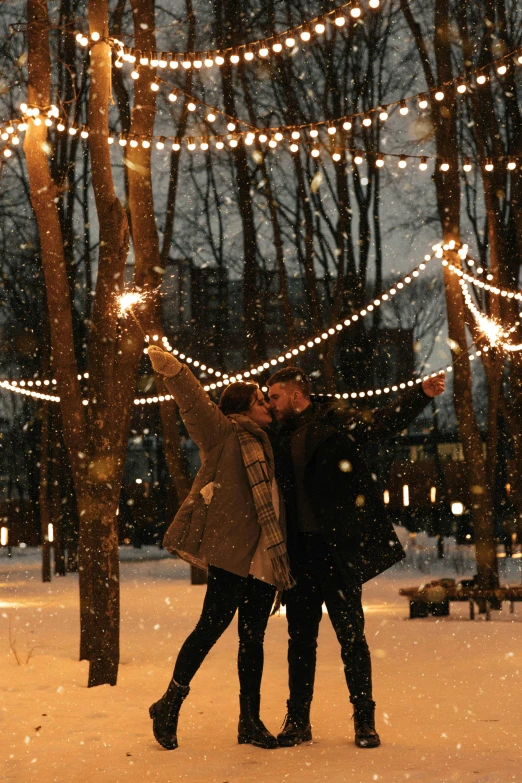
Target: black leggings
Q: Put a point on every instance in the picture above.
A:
(225, 594)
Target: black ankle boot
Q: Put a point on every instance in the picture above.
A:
(296, 727)
(251, 729)
(165, 712)
(364, 722)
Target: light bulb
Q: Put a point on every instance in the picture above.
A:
(502, 69)
(145, 144)
(219, 60)
(133, 143)
(191, 106)
(355, 12)
(173, 97)
(174, 64)
(272, 143)
(294, 147)
(511, 164)
(234, 58)
(383, 114)
(191, 145)
(467, 164)
(347, 125)
(233, 142)
(423, 165)
(154, 87)
(135, 75)
(160, 145)
(219, 144)
(263, 138)
(290, 42)
(176, 146)
(314, 133)
(277, 47)
(332, 130)
(336, 156)
(403, 109)
(84, 134)
(7, 152)
(211, 117)
(296, 134)
(315, 152)
(340, 21)
(489, 165)
(423, 102)
(367, 121)
(15, 140)
(374, 3)
(358, 158)
(444, 166)
(462, 87)
(73, 131)
(162, 62)
(154, 62)
(249, 55)
(320, 28)
(379, 162)
(95, 36)
(278, 136)
(122, 142)
(439, 95)
(198, 63)
(231, 126)
(402, 162)
(209, 62)
(481, 79)
(60, 127)
(305, 34)
(263, 52)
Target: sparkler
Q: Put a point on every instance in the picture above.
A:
(127, 301)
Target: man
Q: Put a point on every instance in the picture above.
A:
(338, 533)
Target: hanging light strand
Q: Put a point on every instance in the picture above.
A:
(224, 379)
(263, 48)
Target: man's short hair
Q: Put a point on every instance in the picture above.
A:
(291, 375)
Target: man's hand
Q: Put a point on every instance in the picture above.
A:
(434, 386)
(163, 362)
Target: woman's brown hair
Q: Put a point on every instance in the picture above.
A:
(238, 397)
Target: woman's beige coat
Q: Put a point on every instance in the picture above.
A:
(217, 524)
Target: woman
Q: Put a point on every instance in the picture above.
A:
(228, 524)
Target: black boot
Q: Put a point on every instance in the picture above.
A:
(296, 728)
(364, 722)
(251, 729)
(165, 712)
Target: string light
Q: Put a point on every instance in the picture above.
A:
(247, 51)
(20, 389)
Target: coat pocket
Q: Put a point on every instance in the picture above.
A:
(194, 527)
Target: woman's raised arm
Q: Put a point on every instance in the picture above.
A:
(205, 423)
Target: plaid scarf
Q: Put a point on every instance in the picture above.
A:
(259, 478)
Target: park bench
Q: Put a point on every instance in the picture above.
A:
(434, 597)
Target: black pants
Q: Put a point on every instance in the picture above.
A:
(225, 594)
(319, 580)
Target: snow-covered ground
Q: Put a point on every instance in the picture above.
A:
(447, 690)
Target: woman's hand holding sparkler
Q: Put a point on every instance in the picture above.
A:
(163, 362)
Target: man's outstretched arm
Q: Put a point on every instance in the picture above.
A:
(372, 425)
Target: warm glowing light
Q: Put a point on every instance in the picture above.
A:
(433, 494)
(386, 496)
(4, 536)
(128, 300)
(403, 109)
(405, 495)
(50, 532)
(457, 508)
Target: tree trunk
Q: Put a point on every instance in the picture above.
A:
(447, 186)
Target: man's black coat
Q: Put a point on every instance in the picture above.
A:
(342, 492)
